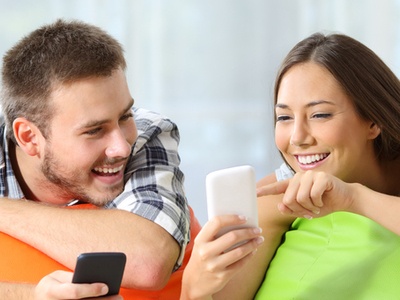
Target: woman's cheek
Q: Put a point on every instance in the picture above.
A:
(282, 140)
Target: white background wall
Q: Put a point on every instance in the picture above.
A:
(210, 64)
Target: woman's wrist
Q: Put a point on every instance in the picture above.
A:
(354, 197)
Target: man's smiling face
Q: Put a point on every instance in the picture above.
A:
(91, 137)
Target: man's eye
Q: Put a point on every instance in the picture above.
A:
(127, 116)
(93, 131)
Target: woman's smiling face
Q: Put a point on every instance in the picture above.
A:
(318, 128)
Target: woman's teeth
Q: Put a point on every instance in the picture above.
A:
(108, 170)
(309, 159)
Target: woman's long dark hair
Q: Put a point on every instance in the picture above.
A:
(367, 80)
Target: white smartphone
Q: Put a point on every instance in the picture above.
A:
(233, 191)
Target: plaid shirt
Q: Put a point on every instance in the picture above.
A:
(153, 181)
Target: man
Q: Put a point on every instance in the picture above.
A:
(71, 135)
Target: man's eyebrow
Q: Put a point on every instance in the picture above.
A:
(310, 104)
(129, 106)
(95, 123)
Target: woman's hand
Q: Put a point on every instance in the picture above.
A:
(213, 263)
(311, 194)
(58, 285)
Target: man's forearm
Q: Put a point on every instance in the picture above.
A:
(16, 291)
(65, 233)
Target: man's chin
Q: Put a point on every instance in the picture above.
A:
(102, 199)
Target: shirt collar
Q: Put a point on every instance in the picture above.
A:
(10, 188)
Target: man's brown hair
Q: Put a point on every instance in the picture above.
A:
(57, 53)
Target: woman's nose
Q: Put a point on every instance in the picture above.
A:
(300, 135)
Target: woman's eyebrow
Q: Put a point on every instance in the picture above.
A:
(310, 104)
(281, 105)
(319, 102)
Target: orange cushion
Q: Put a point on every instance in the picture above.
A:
(20, 262)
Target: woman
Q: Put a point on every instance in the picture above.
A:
(337, 120)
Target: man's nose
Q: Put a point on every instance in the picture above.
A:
(118, 145)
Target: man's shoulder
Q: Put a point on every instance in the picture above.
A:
(149, 120)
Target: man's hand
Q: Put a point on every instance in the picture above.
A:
(58, 286)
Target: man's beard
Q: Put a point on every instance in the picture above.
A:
(70, 187)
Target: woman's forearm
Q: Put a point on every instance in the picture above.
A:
(383, 209)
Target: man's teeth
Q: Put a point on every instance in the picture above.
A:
(108, 170)
(309, 159)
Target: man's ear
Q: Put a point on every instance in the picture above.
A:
(27, 136)
(374, 131)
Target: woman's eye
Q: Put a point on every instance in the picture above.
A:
(322, 115)
(282, 118)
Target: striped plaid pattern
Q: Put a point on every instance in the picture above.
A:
(153, 180)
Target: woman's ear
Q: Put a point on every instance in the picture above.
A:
(27, 136)
(374, 131)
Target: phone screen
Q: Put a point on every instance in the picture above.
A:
(105, 267)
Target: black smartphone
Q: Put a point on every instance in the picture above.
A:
(105, 267)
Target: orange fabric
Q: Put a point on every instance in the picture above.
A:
(20, 262)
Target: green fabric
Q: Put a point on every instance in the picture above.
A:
(341, 256)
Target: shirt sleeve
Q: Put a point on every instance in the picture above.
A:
(154, 182)
(284, 172)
